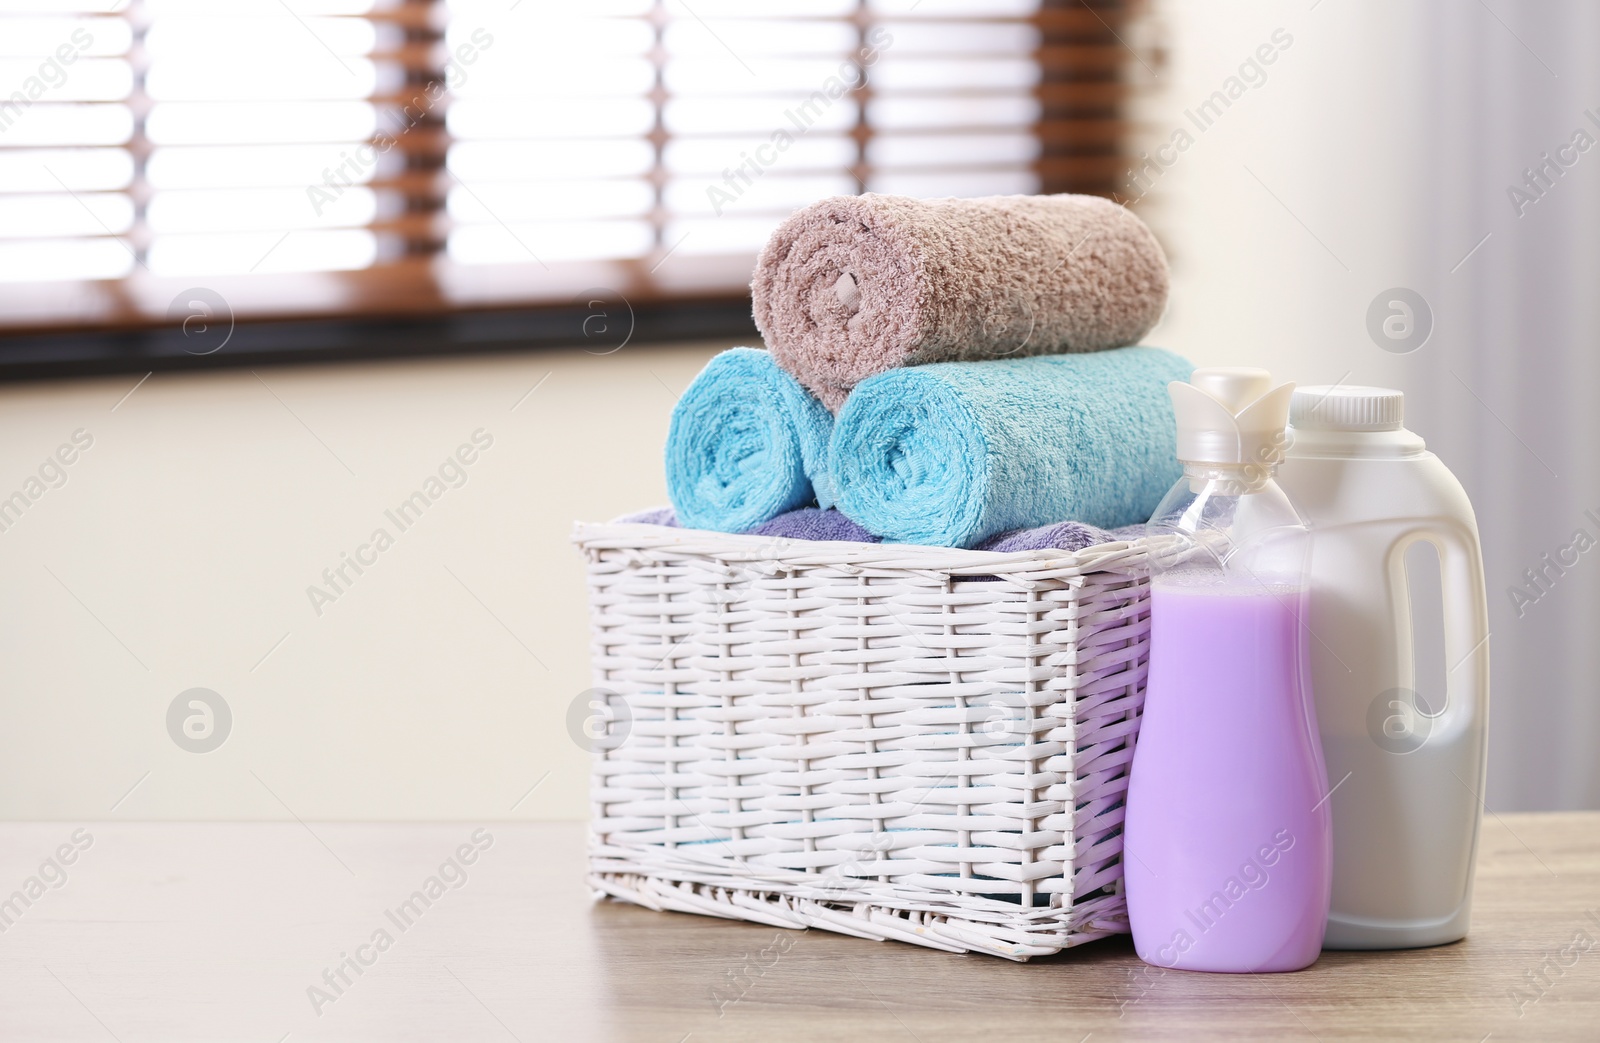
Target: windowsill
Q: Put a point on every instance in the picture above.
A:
(407, 288)
(145, 323)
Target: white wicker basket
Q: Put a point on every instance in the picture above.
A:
(867, 738)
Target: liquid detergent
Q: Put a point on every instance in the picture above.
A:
(1406, 758)
(1227, 846)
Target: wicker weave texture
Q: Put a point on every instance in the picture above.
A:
(917, 743)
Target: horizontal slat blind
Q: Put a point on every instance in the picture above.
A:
(550, 151)
(67, 127)
(245, 106)
(393, 156)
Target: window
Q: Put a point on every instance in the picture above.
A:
(316, 158)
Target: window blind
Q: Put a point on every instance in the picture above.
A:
(350, 157)
(66, 127)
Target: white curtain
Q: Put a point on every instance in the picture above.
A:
(1519, 323)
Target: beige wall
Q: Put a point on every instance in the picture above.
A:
(181, 546)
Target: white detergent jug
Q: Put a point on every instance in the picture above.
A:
(1406, 767)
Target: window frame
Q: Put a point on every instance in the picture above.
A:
(422, 303)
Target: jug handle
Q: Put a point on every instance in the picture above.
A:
(1466, 622)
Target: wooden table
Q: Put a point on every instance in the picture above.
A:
(210, 931)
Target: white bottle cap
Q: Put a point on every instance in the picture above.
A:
(1231, 416)
(1340, 407)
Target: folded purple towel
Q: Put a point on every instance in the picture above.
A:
(654, 516)
(1067, 535)
(814, 523)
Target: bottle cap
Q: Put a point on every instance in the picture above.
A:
(1231, 416)
(1341, 407)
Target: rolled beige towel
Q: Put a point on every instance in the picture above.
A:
(856, 285)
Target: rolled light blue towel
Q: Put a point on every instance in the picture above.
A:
(953, 453)
(746, 444)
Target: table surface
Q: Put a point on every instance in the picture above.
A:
(234, 931)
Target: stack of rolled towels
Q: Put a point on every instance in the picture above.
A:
(948, 372)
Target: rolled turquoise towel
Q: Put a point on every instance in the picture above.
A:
(952, 453)
(746, 444)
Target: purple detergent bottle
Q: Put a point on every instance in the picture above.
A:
(1227, 844)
